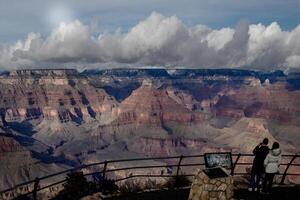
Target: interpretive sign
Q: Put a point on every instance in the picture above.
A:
(222, 159)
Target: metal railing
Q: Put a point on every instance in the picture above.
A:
(178, 165)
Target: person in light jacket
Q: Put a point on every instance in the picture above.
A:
(271, 164)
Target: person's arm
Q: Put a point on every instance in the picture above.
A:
(255, 149)
(266, 161)
(279, 161)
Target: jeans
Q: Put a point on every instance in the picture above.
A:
(268, 181)
(255, 179)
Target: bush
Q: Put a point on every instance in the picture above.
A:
(177, 182)
(22, 197)
(130, 187)
(76, 186)
(108, 186)
(150, 184)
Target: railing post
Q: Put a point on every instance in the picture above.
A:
(178, 166)
(104, 169)
(35, 188)
(235, 163)
(287, 168)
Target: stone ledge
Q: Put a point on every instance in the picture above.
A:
(205, 188)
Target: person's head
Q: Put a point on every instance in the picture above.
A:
(275, 145)
(265, 141)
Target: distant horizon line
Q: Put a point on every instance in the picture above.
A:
(136, 68)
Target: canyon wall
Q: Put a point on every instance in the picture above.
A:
(64, 118)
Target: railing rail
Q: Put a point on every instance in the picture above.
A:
(287, 168)
(178, 166)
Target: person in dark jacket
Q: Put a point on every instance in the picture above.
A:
(260, 152)
(271, 164)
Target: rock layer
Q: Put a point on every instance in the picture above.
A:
(52, 94)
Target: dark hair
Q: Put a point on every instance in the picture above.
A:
(275, 145)
(266, 141)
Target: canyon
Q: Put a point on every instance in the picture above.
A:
(56, 119)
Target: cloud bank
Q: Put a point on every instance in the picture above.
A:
(159, 41)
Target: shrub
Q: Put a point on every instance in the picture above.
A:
(150, 184)
(177, 182)
(76, 186)
(22, 197)
(108, 186)
(130, 186)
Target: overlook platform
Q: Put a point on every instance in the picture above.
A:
(278, 193)
(108, 168)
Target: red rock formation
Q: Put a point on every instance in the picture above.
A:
(52, 94)
(149, 104)
(8, 144)
(271, 102)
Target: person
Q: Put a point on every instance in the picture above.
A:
(260, 152)
(271, 164)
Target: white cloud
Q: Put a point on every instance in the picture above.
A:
(160, 41)
(218, 38)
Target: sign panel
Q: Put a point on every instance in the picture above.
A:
(223, 159)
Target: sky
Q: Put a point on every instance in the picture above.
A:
(253, 34)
